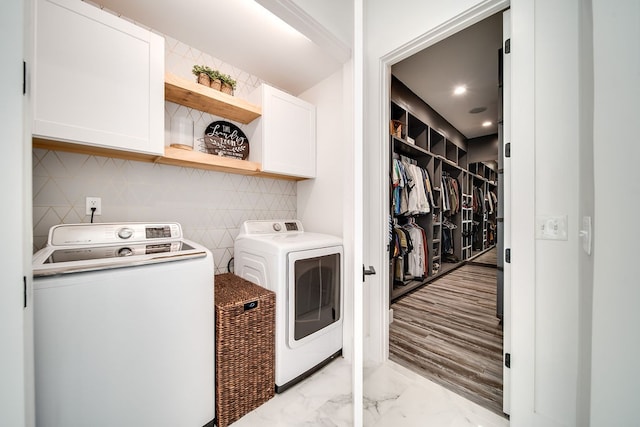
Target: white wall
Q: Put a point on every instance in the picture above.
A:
(14, 218)
(616, 316)
(320, 200)
(556, 193)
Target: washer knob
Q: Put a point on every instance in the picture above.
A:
(125, 252)
(125, 233)
(277, 226)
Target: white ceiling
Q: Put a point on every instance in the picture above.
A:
(244, 34)
(469, 58)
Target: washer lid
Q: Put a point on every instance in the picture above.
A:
(54, 260)
(74, 248)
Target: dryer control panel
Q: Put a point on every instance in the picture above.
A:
(271, 227)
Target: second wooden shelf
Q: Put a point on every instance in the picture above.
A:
(203, 98)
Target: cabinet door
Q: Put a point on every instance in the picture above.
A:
(289, 134)
(98, 79)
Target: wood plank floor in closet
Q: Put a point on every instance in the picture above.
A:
(448, 332)
(489, 258)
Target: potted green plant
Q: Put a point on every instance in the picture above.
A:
(202, 73)
(228, 84)
(216, 79)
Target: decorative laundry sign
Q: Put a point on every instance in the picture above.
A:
(225, 139)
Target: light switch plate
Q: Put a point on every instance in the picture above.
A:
(551, 227)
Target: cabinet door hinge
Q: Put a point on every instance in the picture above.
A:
(24, 291)
(507, 360)
(24, 78)
(507, 255)
(507, 46)
(507, 149)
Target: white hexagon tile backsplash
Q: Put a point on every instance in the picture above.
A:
(210, 206)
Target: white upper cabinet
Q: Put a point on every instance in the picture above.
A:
(98, 79)
(285, 138)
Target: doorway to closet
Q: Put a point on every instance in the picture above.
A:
(447, 213)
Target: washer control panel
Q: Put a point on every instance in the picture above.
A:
(106, 233)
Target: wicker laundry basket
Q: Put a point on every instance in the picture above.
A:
(245, 347)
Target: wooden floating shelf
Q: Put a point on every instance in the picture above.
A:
(172, 156)
(202, 98)
(198, 160)
(72, 147)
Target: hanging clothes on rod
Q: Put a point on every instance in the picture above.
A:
(450, 195)
(491, 202)
(411, 252)
(412, 190)
(478, 203)
(417, 259)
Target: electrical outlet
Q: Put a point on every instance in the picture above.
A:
(93, 202)
(551, 227)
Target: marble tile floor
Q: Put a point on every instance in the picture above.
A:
(394, 396)
(322, 400)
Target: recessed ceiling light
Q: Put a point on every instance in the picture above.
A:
(477, 110)
(486, 124)
(459, 90)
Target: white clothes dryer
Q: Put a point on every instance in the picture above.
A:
(305, 270)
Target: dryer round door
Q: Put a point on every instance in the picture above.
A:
(314, 293)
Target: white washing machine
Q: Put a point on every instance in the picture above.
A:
(305, 270)
(123, 327)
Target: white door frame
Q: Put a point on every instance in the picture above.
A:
(378, 340)
(506, 212)
(523, 201)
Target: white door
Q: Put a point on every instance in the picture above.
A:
(16, 218)
(506, 210)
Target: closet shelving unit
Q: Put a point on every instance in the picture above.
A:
(412, 140)
(467, 217)
(484, 235)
